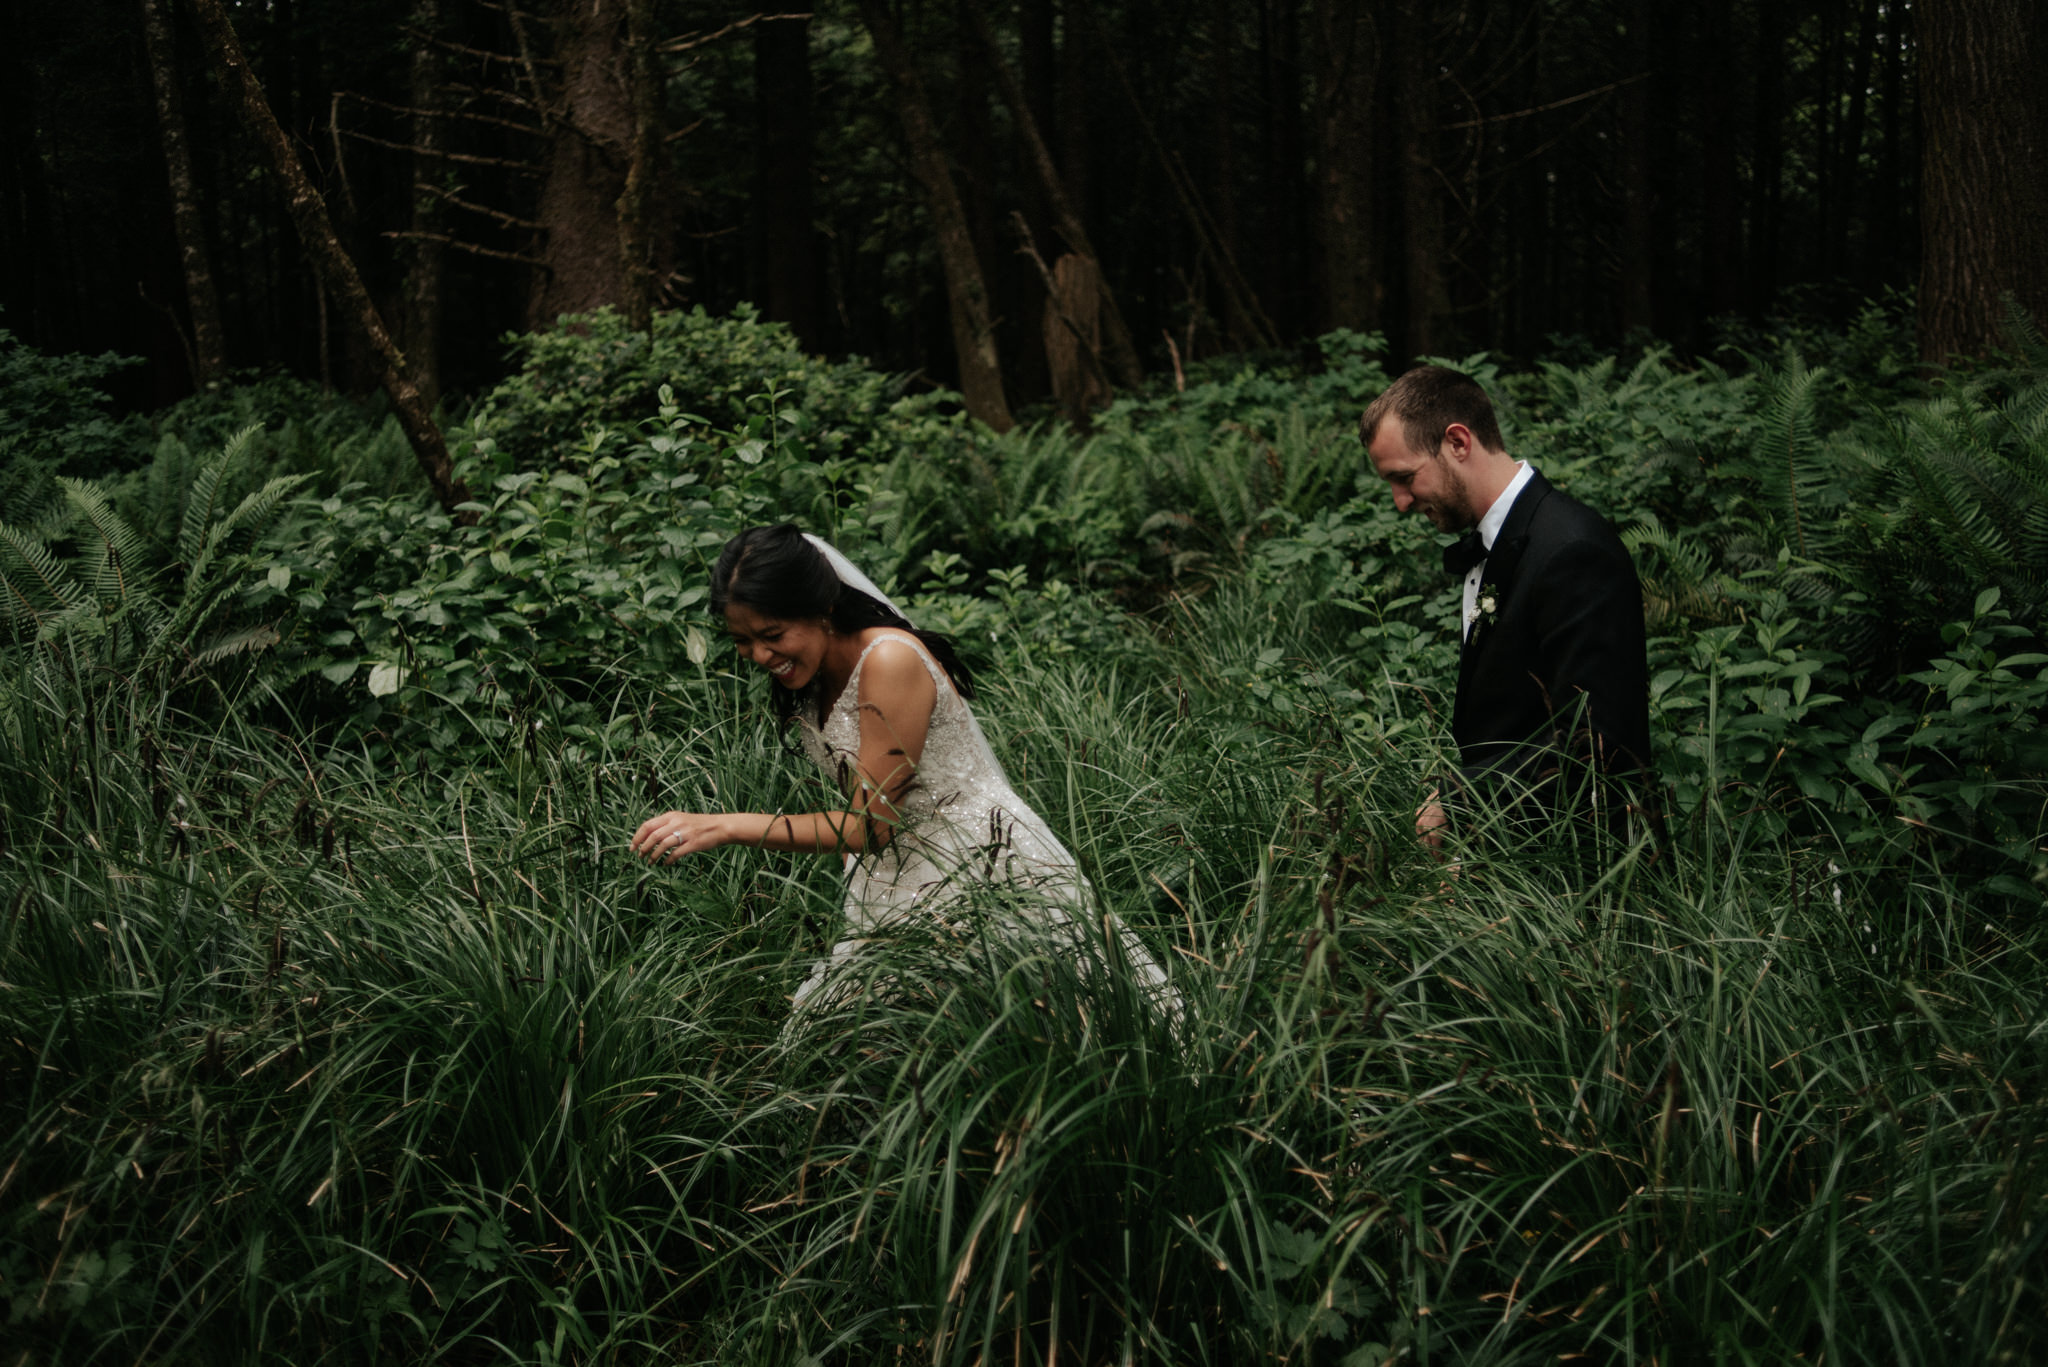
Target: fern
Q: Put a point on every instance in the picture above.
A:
(232, 643)
(2024, 333)
(1789, 444)
(117, 574)
(206, 489)
(34, 584)
(1681, 580)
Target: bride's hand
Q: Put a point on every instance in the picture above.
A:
(666, 838)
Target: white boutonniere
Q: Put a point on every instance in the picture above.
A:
(1485, 607)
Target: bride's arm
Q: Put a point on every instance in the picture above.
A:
(897, 694)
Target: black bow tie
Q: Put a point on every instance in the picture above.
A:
(1461, 555)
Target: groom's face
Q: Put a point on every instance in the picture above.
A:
(1428, 481)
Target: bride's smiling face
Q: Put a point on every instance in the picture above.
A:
(790, 649)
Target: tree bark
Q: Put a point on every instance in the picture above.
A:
(1428, 312)
(331, 260)
(1350, 48)
(1073, 338)
(589, 120)
(426, 255)
(1122, 354)
(1201, 224)
(202, 299)
(1766, 213)
(1891, 158)
(1225, 55)
(974, 339)
(782, 192)
(1637, 249)
(1287, 281)
(1077, 79)
(972, 147)
(1720, 216)
(1848, 177)
(641, 281)
(1037, 56)
(1984, 172)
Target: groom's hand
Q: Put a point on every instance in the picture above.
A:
(1430, 822)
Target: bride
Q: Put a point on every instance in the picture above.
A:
(882, 709)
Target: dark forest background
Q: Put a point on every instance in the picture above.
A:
(1506, 174)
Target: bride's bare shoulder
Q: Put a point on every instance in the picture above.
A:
(894, 660)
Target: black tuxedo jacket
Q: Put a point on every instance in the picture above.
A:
(1558, 669)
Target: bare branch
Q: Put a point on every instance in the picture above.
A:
(1554, 104)
(483, 53)
(525, 168)
(409, 111)
(469, 247)
(696, 40)
(450, 197)
(512, 97)
(348, 191)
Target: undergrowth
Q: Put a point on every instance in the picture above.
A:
(335, 1022)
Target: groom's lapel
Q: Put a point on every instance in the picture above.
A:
(1501, 564)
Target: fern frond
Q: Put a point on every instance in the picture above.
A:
(118, 572)
(84, 617)
(1679, 578)
(36, 583)
(254, 513)
(1788, 443)
(2021, 330)
(232, 643)
(201, 503)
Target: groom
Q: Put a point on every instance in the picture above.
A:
(1553, 692)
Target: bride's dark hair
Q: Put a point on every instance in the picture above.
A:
(777, 572)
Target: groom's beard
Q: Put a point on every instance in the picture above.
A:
(1450, 510)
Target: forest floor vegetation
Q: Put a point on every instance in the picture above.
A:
(336, 1022)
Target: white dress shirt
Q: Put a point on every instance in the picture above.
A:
(1489, 529)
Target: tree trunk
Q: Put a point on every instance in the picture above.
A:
(336, 269)
(974, 339)
(1287, 280)
(1226, 54)
(1073, 339)
(426, 255)
(1037, 55)
(1428, 312)
(1767, 190)
(1984, 172)
(637, 247)
(1077, 79)
(1201, 224)
(590, 121)
(1720, 213)
(1637, 249)
(1350, 50)
(782, 191)
(1848, 177)
(1122, 354)
(202, 300)
(1886, 249)
(972, 148)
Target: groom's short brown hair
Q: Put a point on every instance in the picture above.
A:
(1429, 399)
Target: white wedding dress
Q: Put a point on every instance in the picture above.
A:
(961, 824)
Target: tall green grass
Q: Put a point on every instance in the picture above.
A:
(313, 1058)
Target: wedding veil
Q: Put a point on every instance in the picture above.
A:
(850, 575)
